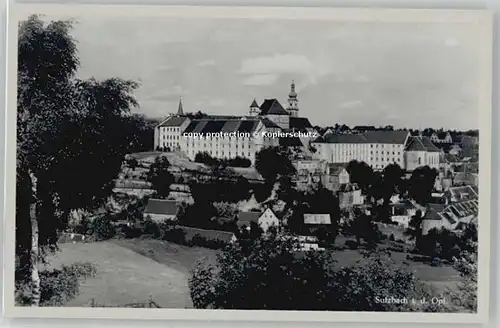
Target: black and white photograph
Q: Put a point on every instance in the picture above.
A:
(329, 162)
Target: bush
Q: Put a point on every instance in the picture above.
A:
(268, 274)
(200, 241)
(150, 228)
(173, 234)
(391, 237)
(102, 228)
(351, 244)
(83, 227)
(129, 231)
(58, 286)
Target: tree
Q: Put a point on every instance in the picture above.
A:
(132, 163)
(361, 173)
(268, 274)
(363, 228)
(272, 162)
(466, 265)
(392, 177)
(67, 129)
(421, 184)
(414, 230)
(160, 177)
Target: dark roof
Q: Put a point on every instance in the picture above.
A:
(300, 123)
(429, 145)
(254, 104)
(420, 144)
(272, 107)
(442, 134)
(161, 206)
(342, 138)
(268, 123)
(205, 126)
(223, 236)
(173, 121)
(387, 137)
(245, 218)
(180, 110)
(382, 137)
(290, 142)
(364, 128)
(213, 126)
(191, 126)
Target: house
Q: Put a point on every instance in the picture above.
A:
(363, 128)
(466, 178)
(168, 134)
(264, 220)
(160, 210)
(462, 193)
(451, 217)
(402, 212)
(376, 148)
(420, 151)
(212, 235)
(317, 219)
(441, 137)
(350, 196)
(335, 175)
(455, 150)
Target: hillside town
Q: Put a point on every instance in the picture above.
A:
(323, 159)
(262, 209)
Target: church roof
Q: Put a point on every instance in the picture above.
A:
(268, 123)
(421, 144)
(180, 110)
(300, 123)
(272, 107)
(254, 104)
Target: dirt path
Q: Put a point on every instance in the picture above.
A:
(124, 276)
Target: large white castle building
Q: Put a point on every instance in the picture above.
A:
(265, 125)
(226, 137)
(378, 149)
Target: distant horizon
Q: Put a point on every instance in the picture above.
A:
(312, 123)
(359, 73)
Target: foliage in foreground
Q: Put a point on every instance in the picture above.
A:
(270, 274)
(58, 286)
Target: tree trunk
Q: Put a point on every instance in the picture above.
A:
(35, 277)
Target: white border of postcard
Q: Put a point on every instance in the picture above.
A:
(481, 17)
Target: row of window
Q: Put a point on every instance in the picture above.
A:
(223, 154)
(382, 152)
(249, 146)
(171, 129)
(170, 137)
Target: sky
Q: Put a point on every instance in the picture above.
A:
(402, 74)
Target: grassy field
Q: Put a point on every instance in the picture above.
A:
(133, 270)
(125, 276)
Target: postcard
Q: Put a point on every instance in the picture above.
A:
(248, 163)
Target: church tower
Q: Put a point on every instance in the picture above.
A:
(180, 110)
(293, 101)
(254, 108)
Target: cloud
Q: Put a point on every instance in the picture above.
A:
(280, 63)
(451, 42)
(351, 104)
(261, 79)
(206, 63)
